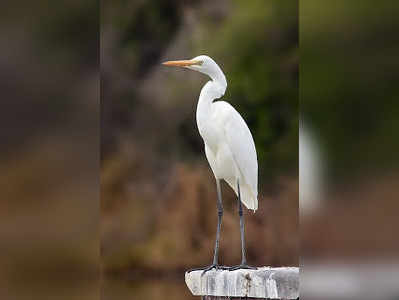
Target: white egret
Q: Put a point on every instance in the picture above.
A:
(229, 146)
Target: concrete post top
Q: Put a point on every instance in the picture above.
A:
(265, 282)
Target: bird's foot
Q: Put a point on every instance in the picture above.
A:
(242, 266)
(206, 269)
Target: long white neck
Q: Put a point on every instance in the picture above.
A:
(212, 90)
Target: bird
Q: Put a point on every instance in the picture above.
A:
(229, 148)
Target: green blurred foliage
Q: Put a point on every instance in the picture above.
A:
(349, 84)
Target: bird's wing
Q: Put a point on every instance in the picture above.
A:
(241, 143)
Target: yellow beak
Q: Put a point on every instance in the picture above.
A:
(182, 63)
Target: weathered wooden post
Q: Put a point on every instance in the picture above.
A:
(263, 283)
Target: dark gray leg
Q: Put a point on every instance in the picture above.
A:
(220, 215)
(242, 232)
(215, 264)
(242, 229)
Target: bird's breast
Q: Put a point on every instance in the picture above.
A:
(219, 154)
(211, 135)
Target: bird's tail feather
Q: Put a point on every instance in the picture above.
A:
(248, 197)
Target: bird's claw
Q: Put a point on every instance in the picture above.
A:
(242, 266)
(214, 266)
(206, 269)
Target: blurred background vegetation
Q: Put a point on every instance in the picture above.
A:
(49, 203)
(349, 108)
(158, 195)
(158, 210)
(349, 122)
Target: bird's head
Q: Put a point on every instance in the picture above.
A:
(203, 64)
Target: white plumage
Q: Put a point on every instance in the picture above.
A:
(234, 156)
(229, 146)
